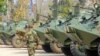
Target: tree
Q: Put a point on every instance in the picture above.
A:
(64, 7)
(3, 7)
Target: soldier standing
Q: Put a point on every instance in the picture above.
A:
(31, 40)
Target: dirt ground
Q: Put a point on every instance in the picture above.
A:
(9, 51)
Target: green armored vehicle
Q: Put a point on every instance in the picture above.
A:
(59, 37)
(18, 39)
(79, 34)
(43, 34)
(82, 33)
(46, 32)
(49, 43)
(8, 31)
(45, 39)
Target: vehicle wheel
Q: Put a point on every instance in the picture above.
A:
(17, 42)
(46, 47)
(66, 50)
(55, 48)
(39, 47)
(77, 49)
(38, 44)
(91, 52)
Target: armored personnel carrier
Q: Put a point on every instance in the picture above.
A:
(19, 39)
(78, 35)
(59, 37)
(46, 39)
(43, 33)
(81, 33)
(8, 31)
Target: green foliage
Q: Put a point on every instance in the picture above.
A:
(1, 2)
(64, 7)
(3, 7)
(50, 6)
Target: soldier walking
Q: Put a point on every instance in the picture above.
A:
(31, 40)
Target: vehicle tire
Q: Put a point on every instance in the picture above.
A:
(17, 42)
(66, 50)
(77, 49)
(46, 47)
(91, 52)
(39, 47)
(55, 48)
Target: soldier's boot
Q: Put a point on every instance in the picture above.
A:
(31, 51)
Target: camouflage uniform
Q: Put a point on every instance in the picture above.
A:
(31, 42)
